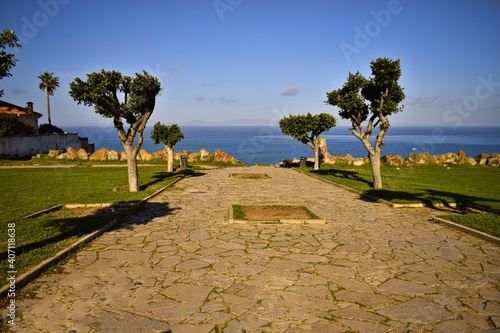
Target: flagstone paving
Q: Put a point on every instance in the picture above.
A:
(179, 266)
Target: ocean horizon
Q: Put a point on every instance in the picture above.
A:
(253, 144)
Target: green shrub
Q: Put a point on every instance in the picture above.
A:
(10, 126)
(49, 128)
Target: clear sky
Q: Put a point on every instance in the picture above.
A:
(260, 59)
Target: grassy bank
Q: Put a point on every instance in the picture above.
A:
(430, 185)
(25, 191)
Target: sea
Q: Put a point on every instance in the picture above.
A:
(266, 144)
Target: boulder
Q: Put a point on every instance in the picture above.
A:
(82, 154)
(492, 161)
(410, 159)
(482, 156)
(462, 157)
(63, 156)
(123, 156)
(54, 152)
(450, 158)
(358, 162)
(220, 156)
(471, 161)
(72, 153)
(394, 160)
(192, 157)
(113, 155)
(423, 159)
(204, 154)
(99, 155)
(144, 155)
(159, 154)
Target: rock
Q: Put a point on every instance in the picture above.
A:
(220, 156)
(482, 161)
(471, 160)
(358, 162)
(192, 157)
(495, 155)
(410, 159)
(144, 155)
(462, 157)
(123, 156)
(423, 159)
(99, 155)
(492, 161)
(394, 160)
(450, 158)
(482, 156)
(82, 154)
(160, 154)
(54, 152)
(204, 154)
(113, 155)
(72, 153)
(63, 156)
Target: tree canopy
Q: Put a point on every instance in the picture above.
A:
(123, 98)
(371, 100)
(307, 128)
(8, 38)
(169, 135)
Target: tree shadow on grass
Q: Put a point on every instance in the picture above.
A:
(431, 198)
(339, 173)
(76, 227)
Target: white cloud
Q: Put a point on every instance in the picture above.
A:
(290, 91)
(224, 99)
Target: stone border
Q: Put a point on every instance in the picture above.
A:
(467, 230)
(278, 221)
(36, 271)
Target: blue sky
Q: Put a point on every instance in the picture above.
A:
(258, 59)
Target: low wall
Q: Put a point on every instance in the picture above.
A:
(28, 146)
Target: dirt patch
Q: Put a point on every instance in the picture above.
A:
(270, 213)
(249, 175)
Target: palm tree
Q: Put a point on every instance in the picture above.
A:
(49, 82)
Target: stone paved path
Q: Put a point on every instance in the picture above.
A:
(179, 266)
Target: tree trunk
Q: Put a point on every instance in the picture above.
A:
(48, 109)
(377, 176)
(170, 159)
(316, 155)
(133, 172)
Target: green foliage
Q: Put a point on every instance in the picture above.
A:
(379, 95)
(8, 38)
(169, 135)
(306, 128)
(10, 126)
(101, 90)
(48, 128)
(48, 82)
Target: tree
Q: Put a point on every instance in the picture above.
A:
(11, 126)
(169, 136)
(307, 128)
(49, 83)
(372, 99)
(101, 91)
(8, 38)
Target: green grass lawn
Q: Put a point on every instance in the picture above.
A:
(428, 185)
(25, 191)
